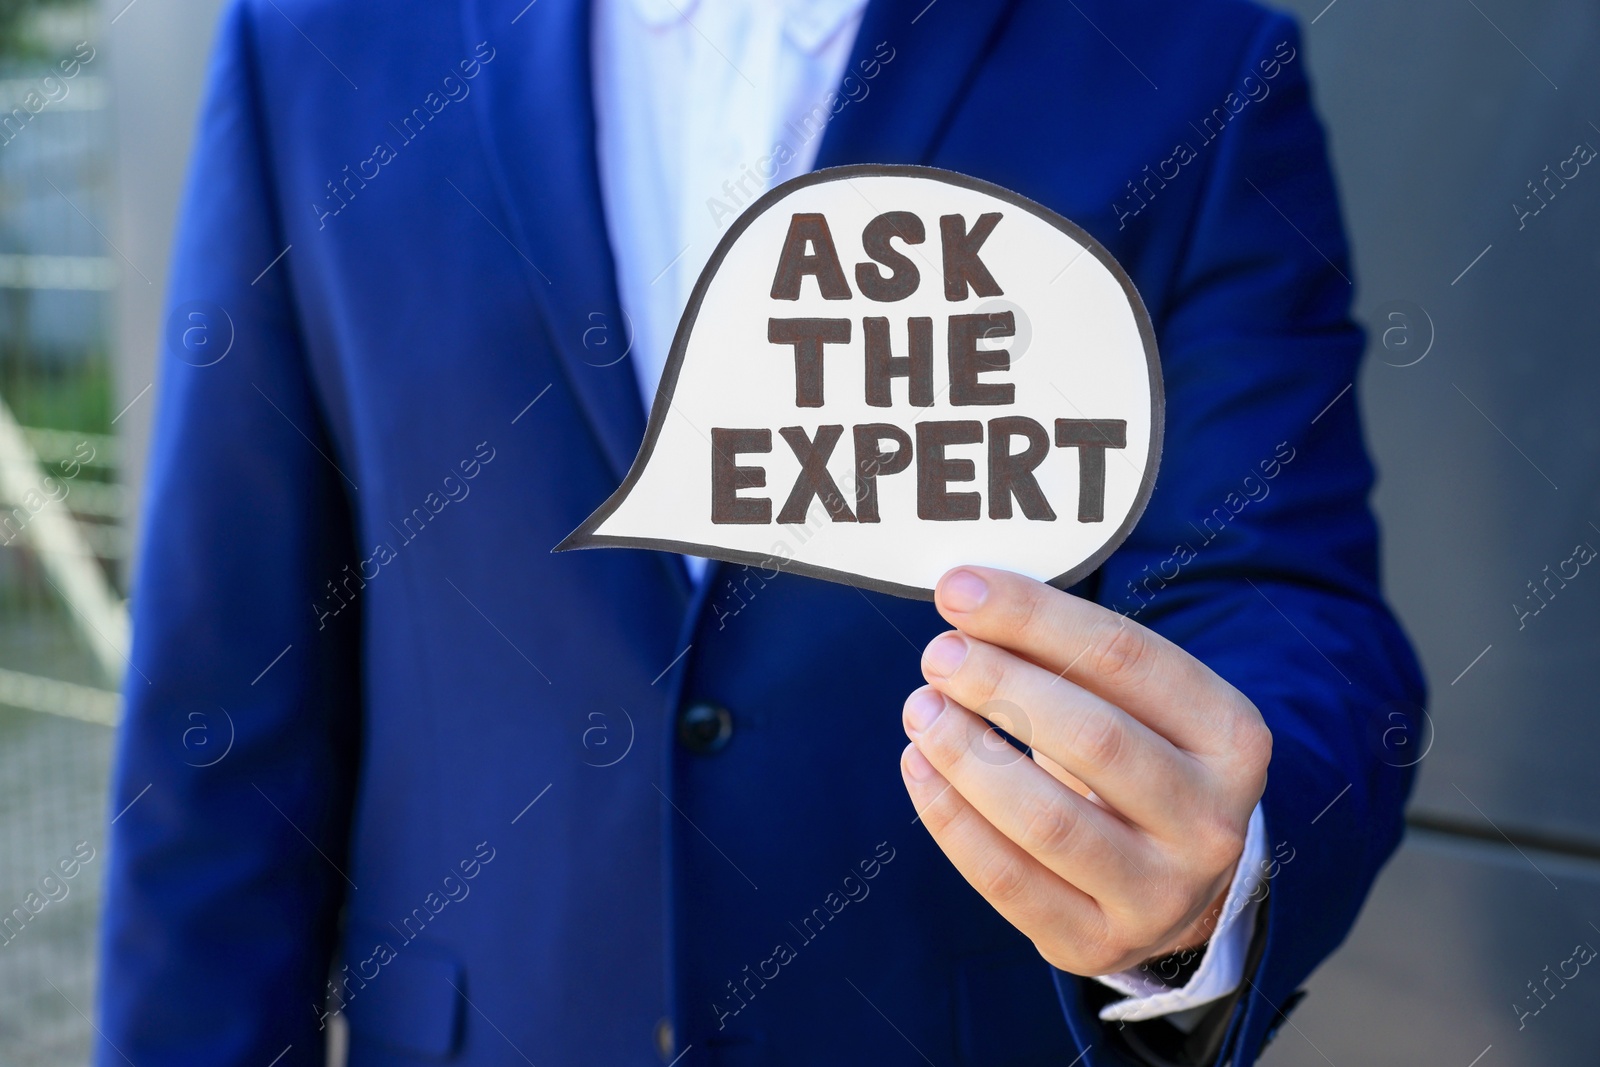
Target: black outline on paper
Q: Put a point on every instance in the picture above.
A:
(584, 536)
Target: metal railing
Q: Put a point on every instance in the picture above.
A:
(63, 517)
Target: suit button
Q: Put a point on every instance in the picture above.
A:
(666, 1042)
(705, 728)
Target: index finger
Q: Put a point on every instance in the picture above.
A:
(1117, 659)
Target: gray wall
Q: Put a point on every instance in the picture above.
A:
(1487, 450)
(1489, 458)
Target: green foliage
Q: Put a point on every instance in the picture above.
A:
(16, 38)
(74, 396)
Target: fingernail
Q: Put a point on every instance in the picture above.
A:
(922, 708)
(944, 656)
(918, 769)
(963, 591)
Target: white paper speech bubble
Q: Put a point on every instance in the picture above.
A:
(887, 371)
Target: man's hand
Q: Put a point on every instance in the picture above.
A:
(1116, 840)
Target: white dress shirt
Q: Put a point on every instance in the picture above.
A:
(701, 106)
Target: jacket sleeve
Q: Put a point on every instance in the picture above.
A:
(1258, 553)
(232, 776)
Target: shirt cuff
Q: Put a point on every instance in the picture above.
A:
(1222, 967)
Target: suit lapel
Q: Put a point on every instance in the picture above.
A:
(534, 105)
(536, 110)
(937, 48)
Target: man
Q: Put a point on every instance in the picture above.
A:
(486, 804)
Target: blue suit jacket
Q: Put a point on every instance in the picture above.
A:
(384, 729)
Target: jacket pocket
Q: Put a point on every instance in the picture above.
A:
(403, 995)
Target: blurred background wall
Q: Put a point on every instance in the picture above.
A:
(63, 517)
(1455, 127)
(96, 110)
(1440, 113)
